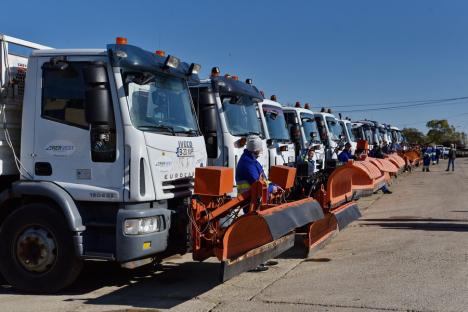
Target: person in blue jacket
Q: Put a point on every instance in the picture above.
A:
(249, 169)
(426, 160)
(345, 154)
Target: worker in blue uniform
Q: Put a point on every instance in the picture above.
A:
(345, 154)
(248, 171)
(248, 168)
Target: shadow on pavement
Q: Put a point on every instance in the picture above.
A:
(424, 224)
(165, 287)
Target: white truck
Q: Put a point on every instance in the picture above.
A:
(280, 147)
(103, 168)
(365, 130)
(331, 133)
(228, 113)
(305, 133)
(347, 127)
(384, 136)
(397, 136)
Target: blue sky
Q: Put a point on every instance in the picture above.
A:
(323, 52)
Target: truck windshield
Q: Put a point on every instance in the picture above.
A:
(383, 134)
(334, 127)
(357, 133)
(310, 126)
(241, 116)
(352, 138)
(162, 104)
(369, 136)
(276, 124)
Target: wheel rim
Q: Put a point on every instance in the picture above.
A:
(36, 249)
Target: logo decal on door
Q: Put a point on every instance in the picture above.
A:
(60, 148)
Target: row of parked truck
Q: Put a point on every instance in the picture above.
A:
(125, 155)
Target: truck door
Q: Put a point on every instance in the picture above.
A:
(64, 140)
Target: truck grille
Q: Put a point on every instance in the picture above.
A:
(179, 187)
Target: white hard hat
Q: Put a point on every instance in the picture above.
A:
(254, 143)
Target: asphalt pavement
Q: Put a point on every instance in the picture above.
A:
(408, 252)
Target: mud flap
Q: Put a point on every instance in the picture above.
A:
(287, 217)
(254, 257)
(346, 214)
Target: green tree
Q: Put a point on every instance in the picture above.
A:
(414, 136)
(440, 131)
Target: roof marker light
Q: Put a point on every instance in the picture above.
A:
(298, 104)
(322, 110)
(227, 76)
(160, 53)
(172, 62)
(194, 69)
(248, 81)
(235, 77)
(273, 98)
(121, 40)
(306, 106)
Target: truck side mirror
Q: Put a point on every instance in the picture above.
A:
(98, 100)
(205, 105)
(100, 113)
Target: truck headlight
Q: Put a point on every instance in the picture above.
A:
(143, 225)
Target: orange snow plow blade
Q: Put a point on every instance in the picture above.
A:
(397, 161)
(319, 232)
(264, 231)
(337, 203)
(385, 166)
(354, 179)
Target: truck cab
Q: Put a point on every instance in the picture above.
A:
(305, 133)
(108, 150)
(396, 135)
(365, 130)
(228, 113)
(331, 133)
(347, 127)
(383, 133)
(280, 147)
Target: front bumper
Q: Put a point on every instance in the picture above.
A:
(132, 247)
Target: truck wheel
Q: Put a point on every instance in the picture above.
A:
(36, 250)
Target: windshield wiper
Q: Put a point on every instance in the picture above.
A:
(165, 128)
(249, 133)
(191, 131)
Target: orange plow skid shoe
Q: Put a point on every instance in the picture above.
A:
(245, 231)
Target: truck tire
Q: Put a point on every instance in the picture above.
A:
(36, 250)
